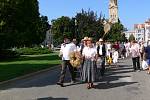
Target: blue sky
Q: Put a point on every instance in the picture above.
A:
(130, 11)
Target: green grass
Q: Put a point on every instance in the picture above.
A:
(27, 64)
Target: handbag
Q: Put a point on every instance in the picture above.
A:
(144, 65)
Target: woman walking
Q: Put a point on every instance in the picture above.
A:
(89, 66)
(135, 51)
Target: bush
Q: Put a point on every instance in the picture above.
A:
(6, 54)
(33, 51)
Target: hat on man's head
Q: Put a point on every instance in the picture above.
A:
(100, 39)
(89, 39)
(85, 38)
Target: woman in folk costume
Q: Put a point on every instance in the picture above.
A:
(89, 67)
(83, 44)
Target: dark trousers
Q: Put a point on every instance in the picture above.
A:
(65, 64)
(136, 63)
(102, 69)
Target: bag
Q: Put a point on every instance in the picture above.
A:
(144, 65)
(99, 62)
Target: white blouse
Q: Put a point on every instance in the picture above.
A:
(89, 52)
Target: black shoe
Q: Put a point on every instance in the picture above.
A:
(61, 84)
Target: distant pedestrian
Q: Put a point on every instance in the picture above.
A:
(115, 57)
(142, 49)
(147, 55)
(135, 52)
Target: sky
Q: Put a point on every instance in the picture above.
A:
(130, 11)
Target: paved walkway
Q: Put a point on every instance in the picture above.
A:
(118, 84)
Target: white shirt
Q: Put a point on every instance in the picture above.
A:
(66, 50)
(100, 49)
(89, 52)
(115, 55)
(108, 46)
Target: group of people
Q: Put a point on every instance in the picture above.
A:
(95, 56)
(140, 55)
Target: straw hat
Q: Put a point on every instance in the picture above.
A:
(89, 39)
(85, 39)
(100, 39)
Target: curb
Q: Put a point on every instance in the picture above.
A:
(29, 75)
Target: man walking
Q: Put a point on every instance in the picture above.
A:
(65, 50)
(101, 51)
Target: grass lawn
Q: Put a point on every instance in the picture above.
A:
(27, 64)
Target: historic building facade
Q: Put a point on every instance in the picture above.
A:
(113, 11)
(142, 31)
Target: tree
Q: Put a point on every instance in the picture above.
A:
(89, 24)
(85, 23)
(131, 37)
(61, 27)
(21, 24)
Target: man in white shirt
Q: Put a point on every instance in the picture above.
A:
(101, 51)
(65, 50)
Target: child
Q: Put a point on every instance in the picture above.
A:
(109, 57)
(115, 57)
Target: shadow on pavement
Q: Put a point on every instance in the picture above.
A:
(108, 82)
(116, 73)
(112, 85)
(50, 98)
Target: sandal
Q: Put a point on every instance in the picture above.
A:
(88, 87)
(92, 86)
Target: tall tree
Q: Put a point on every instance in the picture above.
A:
(61, 27)
(85, 23)
(131, 37)
(89, 24)
(20, 23)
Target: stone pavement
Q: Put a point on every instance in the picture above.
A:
(120, 83)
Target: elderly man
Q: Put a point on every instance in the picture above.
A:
(101, 51)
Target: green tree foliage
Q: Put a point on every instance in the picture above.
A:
(21, 24)
(62, 27)
(89, 24)
(85, 23)
(131, 37)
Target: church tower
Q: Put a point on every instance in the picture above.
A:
(113, 11)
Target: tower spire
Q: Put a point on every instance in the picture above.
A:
(113, 11)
